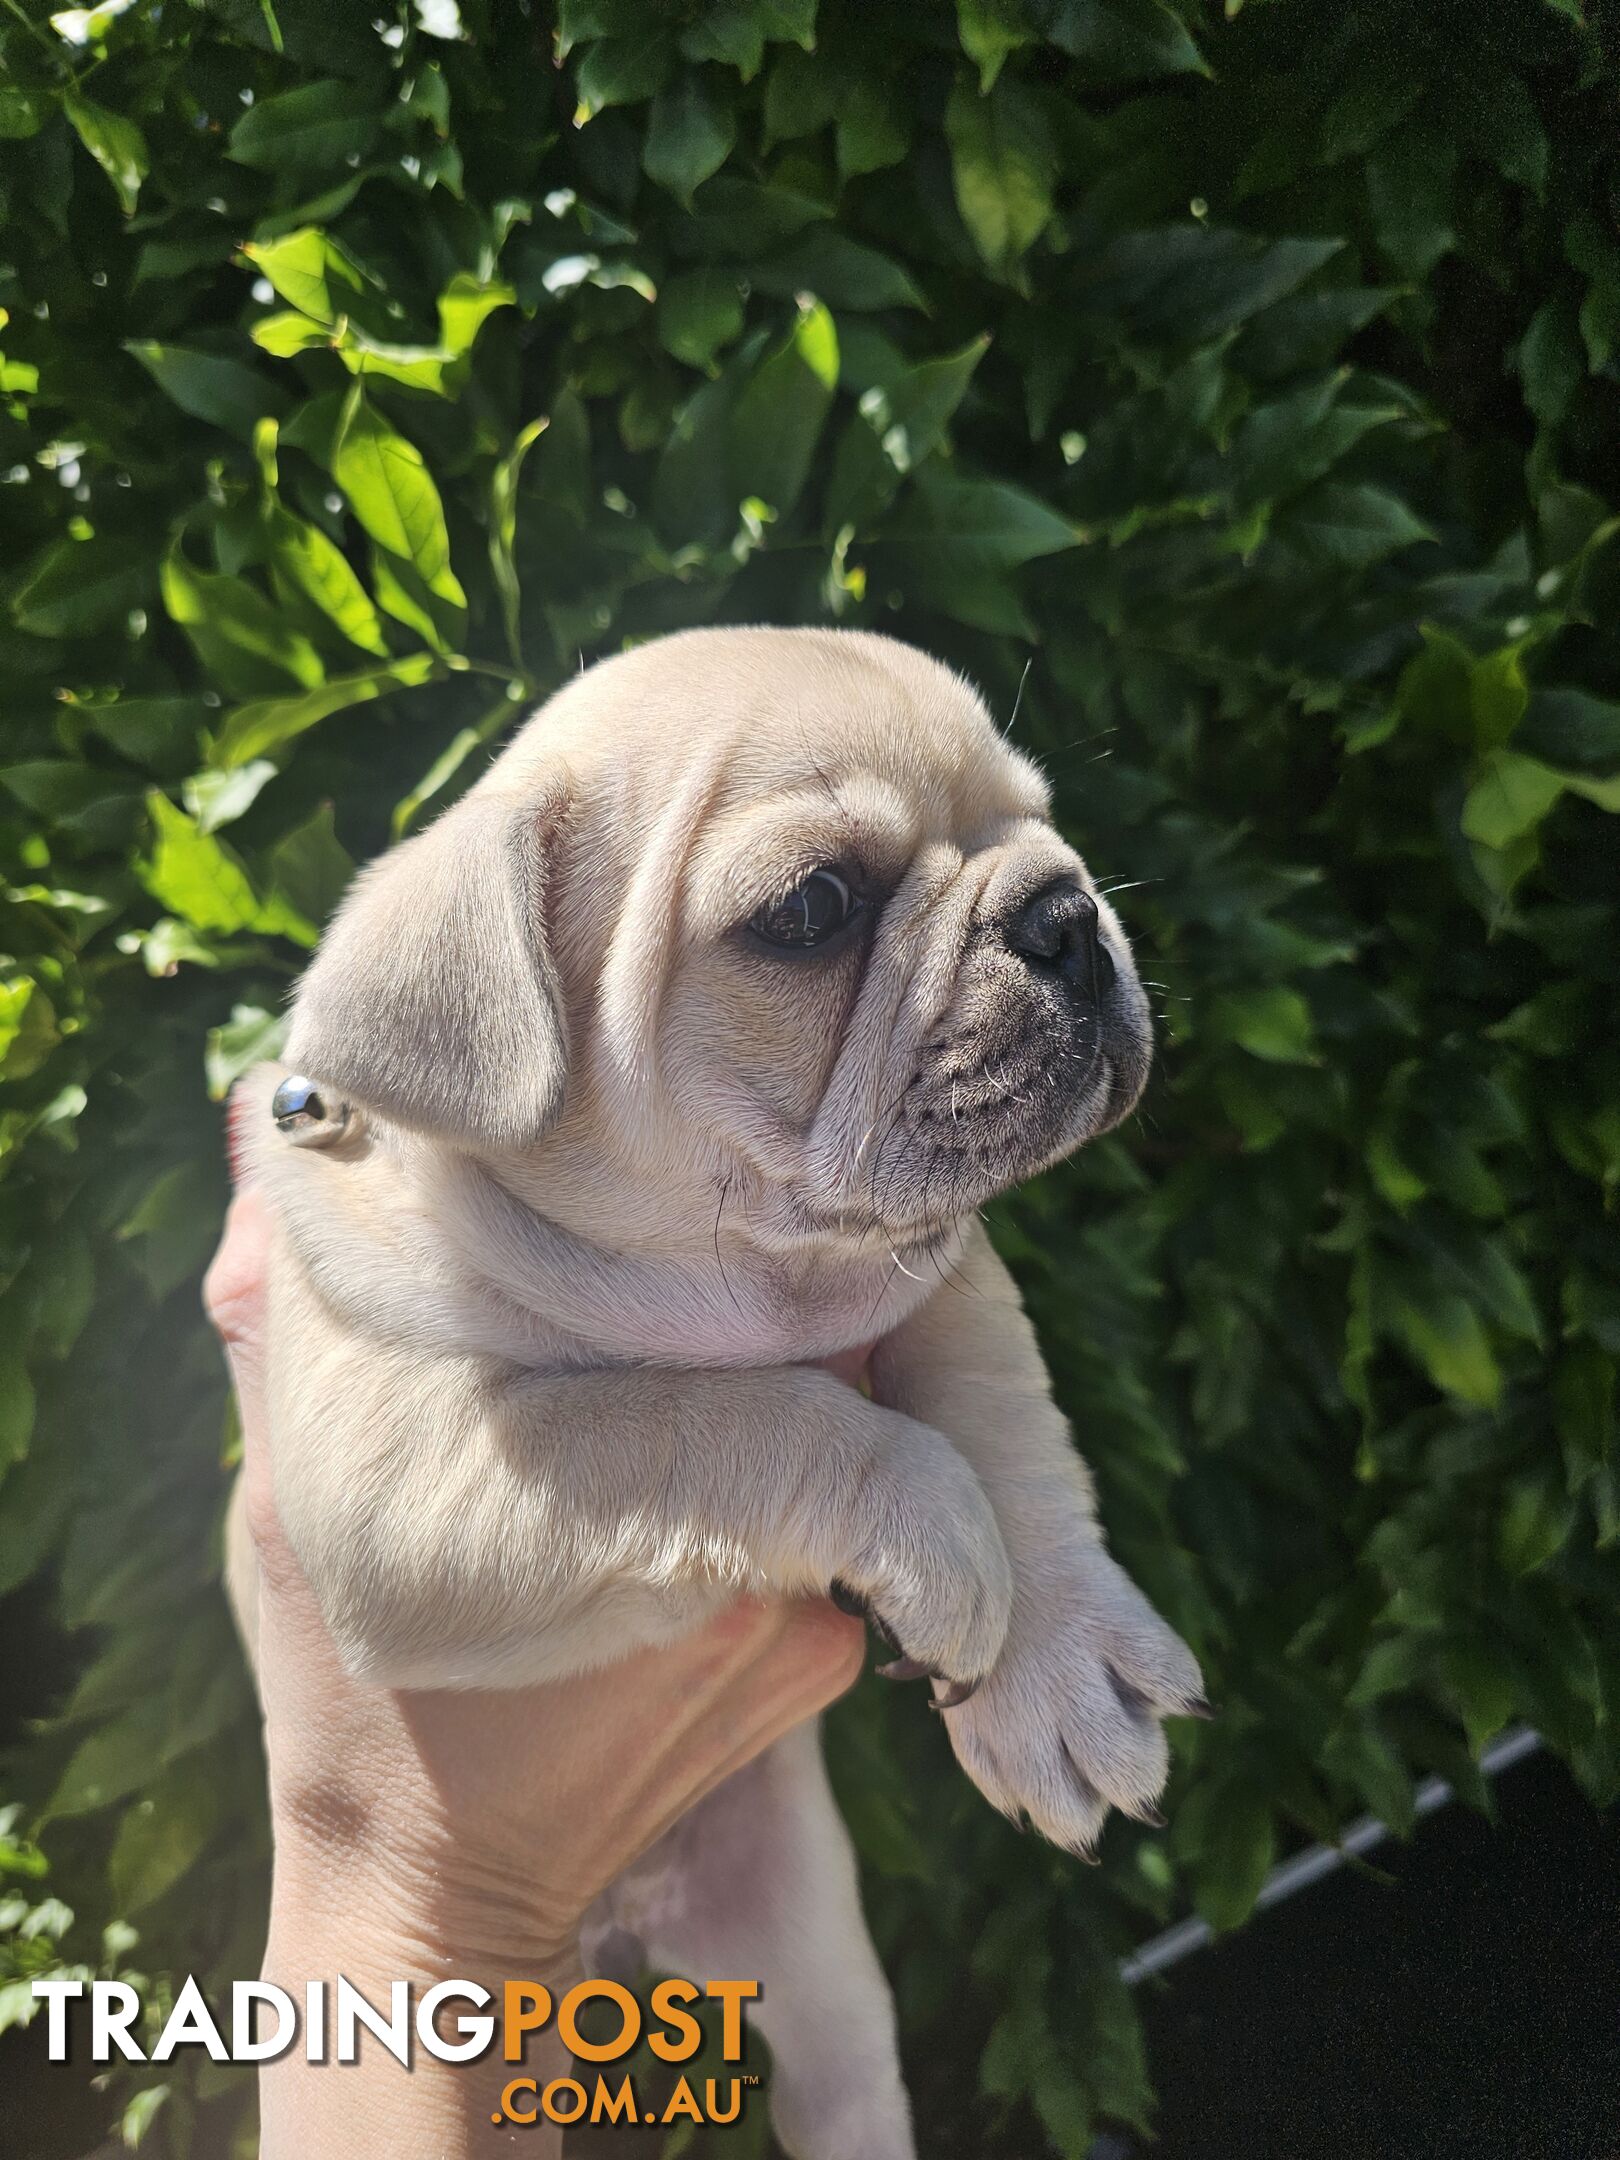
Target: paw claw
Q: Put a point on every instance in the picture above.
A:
(848, 1600)
(860, 1608)
(1199, 1707)
(905, 1668)
(955, 1692)
(1130, 1699)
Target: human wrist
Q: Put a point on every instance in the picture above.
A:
(418, 1911)
(360, 1923)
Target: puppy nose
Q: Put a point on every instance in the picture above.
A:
(1056, 928)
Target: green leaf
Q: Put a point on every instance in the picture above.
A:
(699, 312)
(788, 21)
(503, 487)
(1499, 117)
(1537, 1518)
(977, 523)
(1498, 693)
(777, 420)
(1002, 168)
(437, 613)
(1195, 281)
(901, 422)
(1125, 40)
(249, 1037)
(801, 97)
(22, 112)
(28, 1029)
(238, 635)
(390, 489)
(308, 569)
(465, 305)
(955, 540)
(1552, 360)
(730, 32)
(204, 883)
(1510, 798)
(456, 753)
(1307, 329)
(311, 271)
(307, 130)
(289, 332)
(16, 1409)
(116, 144)
(872, 126)
(1271, 1022)
(1239, 1845)
(140, 2112)
(690, 134)
(83, 585)
(210, 386)
(841, 271)
(989, 31)
(1361, 1758)
(1349, 525)
(1573, 730)
(269, 724)
(1448, 1339)
(220, 798)
(159, 733)
(162, 1836)
(1483, 1689)
(310, 869)
(1409, 186)
(114, 1761)
(1605, 793)
(621, 71)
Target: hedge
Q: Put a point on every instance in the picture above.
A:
(1232, 394)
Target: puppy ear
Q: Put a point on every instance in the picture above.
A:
(433, 998)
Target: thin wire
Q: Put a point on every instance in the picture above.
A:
(1316, 1861)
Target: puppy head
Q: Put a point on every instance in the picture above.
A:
(771, 912)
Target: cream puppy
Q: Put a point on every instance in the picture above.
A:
(679, 1054)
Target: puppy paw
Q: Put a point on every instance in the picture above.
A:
(1067, 1724)
(931, 1573)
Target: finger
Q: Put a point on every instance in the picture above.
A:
(802, 1658)
(234, 1294)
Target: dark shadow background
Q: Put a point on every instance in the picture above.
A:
(1467, 2009)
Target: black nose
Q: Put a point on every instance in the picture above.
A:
(1056, 929)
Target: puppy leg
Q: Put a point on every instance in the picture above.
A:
(1067, 1725)
(758, 1882)
(465, 1523)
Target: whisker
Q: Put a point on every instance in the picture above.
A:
(884, 1289)
(1019, 699)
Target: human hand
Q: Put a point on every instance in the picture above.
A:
(425, 1834)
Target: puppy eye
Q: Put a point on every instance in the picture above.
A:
(813, 912)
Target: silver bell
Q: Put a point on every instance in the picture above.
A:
(303, 1113)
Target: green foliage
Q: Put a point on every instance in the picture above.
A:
(1247, 376)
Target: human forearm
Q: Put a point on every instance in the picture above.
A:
(336, 1911)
